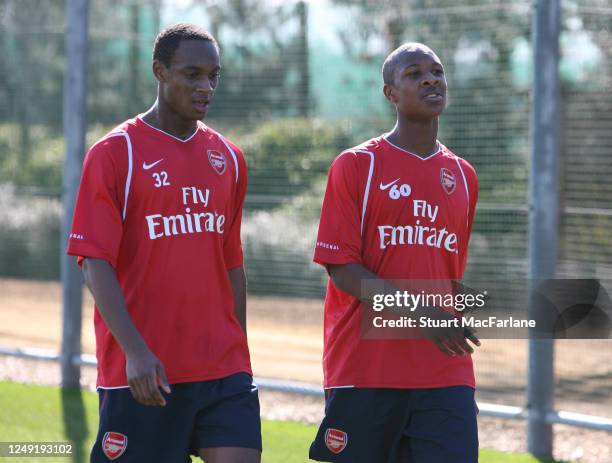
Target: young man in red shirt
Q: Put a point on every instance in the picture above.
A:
(397, 207)
(157, 232)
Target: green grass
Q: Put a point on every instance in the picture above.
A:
(34, 413)
(492, 456)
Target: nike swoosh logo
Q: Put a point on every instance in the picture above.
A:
(384, 187)
(146, 166)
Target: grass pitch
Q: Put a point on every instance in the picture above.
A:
(40, 413)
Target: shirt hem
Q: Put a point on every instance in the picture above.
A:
(188, 379)
(433, 385)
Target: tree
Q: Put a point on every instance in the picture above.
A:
(31, 75)
(264, 59)
(487, 110)
(585, 140)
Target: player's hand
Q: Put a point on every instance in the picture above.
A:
(449, 340)
(145, 375)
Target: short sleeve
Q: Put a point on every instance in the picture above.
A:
(97, 225)
(339, 237)
(232, 247)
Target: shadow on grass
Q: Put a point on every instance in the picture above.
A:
(548, 460)
(75, 422)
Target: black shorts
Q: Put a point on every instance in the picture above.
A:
(398, 426)
(207, 414)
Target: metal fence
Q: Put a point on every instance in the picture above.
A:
(294, 95)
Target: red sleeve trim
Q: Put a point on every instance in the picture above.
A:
(83, 251)
(336, 259)
(235, 263)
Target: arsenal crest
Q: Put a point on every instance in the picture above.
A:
(335, 440)
(447, 178)
(217, 161)
(114, 444)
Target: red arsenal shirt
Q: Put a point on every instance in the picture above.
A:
(401, 217)
(166, 214)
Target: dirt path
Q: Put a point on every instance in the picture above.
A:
(285, 337)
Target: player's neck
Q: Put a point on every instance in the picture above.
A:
(169, 122)
(418, 137)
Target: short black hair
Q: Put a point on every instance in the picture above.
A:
(168, 40)
(389, 67)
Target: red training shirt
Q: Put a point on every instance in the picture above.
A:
(166, 214)
(401, 217)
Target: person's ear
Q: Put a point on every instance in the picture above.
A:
(389, 92)
(160, 71)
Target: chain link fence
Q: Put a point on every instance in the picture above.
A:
(301, 82)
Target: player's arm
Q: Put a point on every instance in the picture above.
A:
(237, 277)
(232, 246)
(143, 369)
(349, 277)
